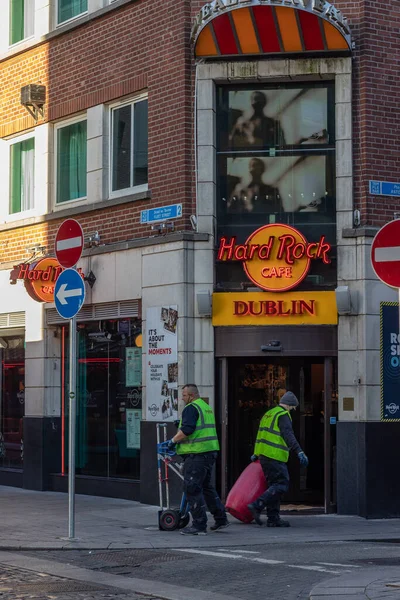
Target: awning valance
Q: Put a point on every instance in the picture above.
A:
(262, 27)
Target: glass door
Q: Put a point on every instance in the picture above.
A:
(109, 399)
(257, 384)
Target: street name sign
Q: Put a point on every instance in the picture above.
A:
(385, 254)
(384, 188)
(69, 243)
(161, 213)
(69, 293)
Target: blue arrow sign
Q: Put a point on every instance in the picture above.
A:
(69, 293)
(161, 213)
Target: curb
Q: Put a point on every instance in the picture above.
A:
(157, 589)
(355, 586)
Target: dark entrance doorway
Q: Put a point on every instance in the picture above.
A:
(256, 385)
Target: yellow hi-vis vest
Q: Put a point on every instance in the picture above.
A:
(269, 441)
(204, 437)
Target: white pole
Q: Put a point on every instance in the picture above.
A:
(72, 427)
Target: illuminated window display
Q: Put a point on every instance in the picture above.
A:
(276, 164)
(109, 398)
(12, 401)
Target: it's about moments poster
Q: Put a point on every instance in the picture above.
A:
(162, 363)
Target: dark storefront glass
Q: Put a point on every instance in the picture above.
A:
(109, 398)
(12, 401)
(276, 164)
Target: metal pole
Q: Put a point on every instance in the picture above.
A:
(72, 427)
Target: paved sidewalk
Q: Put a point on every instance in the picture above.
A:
(368, 584)
(39, 521)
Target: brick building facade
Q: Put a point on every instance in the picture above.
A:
(97, 58)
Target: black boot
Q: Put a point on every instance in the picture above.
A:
(256, 512)
(277, 523)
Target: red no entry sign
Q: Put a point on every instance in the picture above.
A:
(69, 243)
(385, 254)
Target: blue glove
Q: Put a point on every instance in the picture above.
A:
(171, 445)
(303, 459)
(254, 458)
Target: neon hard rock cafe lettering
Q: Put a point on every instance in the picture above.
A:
(289, 250)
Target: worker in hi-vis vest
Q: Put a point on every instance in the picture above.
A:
(275, 438)
(197, 442)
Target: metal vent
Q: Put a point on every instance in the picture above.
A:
(129, 308)
(12, 320)
(106, 311)
(94, 312)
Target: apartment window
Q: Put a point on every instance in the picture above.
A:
(71, 141)
(129, 146)
(21, 20)
(22, 169)
(68, 9)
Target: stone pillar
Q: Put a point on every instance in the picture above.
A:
(366, 447)
(42, 423)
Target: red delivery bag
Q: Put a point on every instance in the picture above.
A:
(249, 486)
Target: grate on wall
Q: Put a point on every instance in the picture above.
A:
(16, 319)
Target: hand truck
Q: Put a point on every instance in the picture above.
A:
(169, 519)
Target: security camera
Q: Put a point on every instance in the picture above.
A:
(272, 346)
(193, 222)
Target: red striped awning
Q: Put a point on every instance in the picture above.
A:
(262, 28)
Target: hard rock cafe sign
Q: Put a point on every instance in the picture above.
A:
(39, 278)
(276, 257)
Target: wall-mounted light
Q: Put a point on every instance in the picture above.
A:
(93, 239)
(344, 301)
(3, 343)
(204, 303)
(162, 228)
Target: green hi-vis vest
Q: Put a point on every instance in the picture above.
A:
(269, 441)
(204, 437)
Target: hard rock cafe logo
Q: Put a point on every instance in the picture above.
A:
(39, 278)
(392, 408)
(276, 257)
(153, 409)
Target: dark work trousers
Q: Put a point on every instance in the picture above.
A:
(277, 476)
(197, 471)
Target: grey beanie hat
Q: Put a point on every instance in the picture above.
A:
(289, 399)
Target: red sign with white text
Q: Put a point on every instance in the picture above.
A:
(275, 257)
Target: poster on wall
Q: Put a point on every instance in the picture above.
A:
(390, 361)
(133, 367)
(133, 418)
(162, 363)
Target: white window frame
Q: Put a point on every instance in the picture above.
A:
(137, 188)
(72, 19)
(7, 217)
(25, 39)
(57, 126)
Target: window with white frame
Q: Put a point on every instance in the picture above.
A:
(22, 175)
(71, 161)
(129, 146)
(22, 17)
(68, 9)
